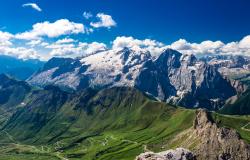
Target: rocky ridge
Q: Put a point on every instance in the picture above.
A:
(205, 141)
(177, 154)
(209, 141)
(218, 142)
(232, 66)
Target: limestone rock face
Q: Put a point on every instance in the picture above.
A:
(177, 154)
(206, 141)
(218, 142)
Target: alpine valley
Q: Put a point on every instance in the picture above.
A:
(128, 104)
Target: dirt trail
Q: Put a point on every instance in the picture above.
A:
(243, 127)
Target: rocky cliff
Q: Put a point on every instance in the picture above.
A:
(206, 141)
(217, 142)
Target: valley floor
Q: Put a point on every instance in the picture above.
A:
(122, 145)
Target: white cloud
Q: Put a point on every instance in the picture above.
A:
(5, 35)
(87, 15)
(104, 21)
(44, 44)
(33, 43)
(245, 42)
(37, 43)
(93, 47)
(213, 47)
(181, 44)
(75, 50)
(19, 52)
(8, 48)
(51, 30)
(5, 38)
(65, 40)
(33, 5)
(65, 51)
(39, 40)
(62, 45)
(89, 30)
(154, 47)
(206, 47)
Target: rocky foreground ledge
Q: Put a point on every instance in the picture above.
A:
(208, 141)
(177, 154)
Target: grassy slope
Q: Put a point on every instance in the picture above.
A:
(117, 123)
(239, 123)
(12, 93)
(240, 107)
(113, 124)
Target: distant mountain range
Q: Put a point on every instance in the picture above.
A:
(232, 66)
(18, 68)
(171, 77)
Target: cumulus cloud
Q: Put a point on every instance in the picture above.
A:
(245, 43)
(60, 45)
(5, 38)
(104, 21)
(33, 5)
(64, 51)
(213, 47)
(204, 48)
(33, 43)
(66, 47)
(19, 52)
(154, 47)
(93, 47)
(75, 50)
(51, 30)
(8, 48)
(65, 40)
(87, 15)
(37, 43)
(38, 39)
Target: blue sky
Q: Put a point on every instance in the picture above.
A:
(165, 21)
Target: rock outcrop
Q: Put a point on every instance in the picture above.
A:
(177, 154)
(239, 86)
(207, 141)
(218, 142)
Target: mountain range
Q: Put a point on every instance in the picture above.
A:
(171, 77)
(19, 68)
(117, 104)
